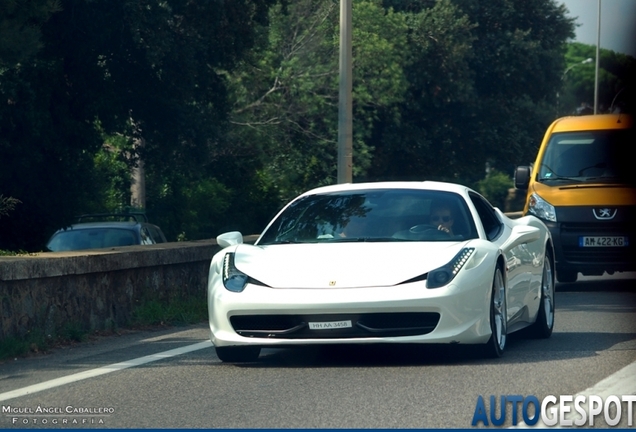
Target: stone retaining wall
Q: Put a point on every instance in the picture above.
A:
(97, 289)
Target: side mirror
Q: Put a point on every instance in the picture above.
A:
(522, 177)
(229, 239)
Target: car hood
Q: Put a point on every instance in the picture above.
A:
(342, 265)
(586, 194)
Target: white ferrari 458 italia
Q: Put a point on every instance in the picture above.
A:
(389, 262)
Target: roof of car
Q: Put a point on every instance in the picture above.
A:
(115, 217)
(592, 122)
(424, 185)
(105, 224)
(126, 220)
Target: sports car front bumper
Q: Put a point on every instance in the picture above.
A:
(406, 313)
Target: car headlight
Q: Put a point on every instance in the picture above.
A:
(233, 279)
(443, 275)
(541, 208)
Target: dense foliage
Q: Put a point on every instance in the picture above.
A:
(106, 69)
(481, 77)
(232, 106)
(616, 86)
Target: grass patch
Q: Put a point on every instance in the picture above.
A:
(12, 347)
(73, 332)
(16, 253)
(175, 312)
(36, 342)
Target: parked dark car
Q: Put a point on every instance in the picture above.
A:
(104, 230)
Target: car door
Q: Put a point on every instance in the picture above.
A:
(518, 273)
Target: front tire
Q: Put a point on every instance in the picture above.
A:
(238, 354)
(496, 345)
(543, 326)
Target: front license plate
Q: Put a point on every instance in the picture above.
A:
(603, 241)
(331, 325)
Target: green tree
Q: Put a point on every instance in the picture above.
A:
(494, 187)
(617, 80)
(440, 87)
(7, 204)
(20, 35)
(153, 68)
(46, 153)
(482, 78)
(286, 92)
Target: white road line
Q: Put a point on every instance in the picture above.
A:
(622, 382)
(618, 384)
(102, 370)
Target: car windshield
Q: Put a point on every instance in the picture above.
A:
(369, 215)
(93, 238)
(587, 157)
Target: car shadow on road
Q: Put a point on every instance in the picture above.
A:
(616, 283)
(363, 355)
(520, 349)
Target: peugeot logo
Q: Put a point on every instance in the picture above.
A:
(604, 213)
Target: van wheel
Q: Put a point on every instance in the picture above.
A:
(566, 275)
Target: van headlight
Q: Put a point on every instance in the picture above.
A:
(541, 208)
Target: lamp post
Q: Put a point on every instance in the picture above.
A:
(587, 60)
(598, 57)
(345, 130)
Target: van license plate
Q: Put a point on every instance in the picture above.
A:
(603, 241)
(329, 325)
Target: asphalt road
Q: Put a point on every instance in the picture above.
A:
(149, 380)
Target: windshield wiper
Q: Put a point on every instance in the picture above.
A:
(561, 178)
(556, 177)
(279, 242)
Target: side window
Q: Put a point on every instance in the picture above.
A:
(489, 220)
(156, 234)
(145, 236)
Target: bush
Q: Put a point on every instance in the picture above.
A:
(495, 188)
(7, 204)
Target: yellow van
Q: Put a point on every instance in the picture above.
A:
(581, 187)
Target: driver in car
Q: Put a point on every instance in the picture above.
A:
(442, 217)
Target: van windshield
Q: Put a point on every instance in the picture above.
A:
(587, 157)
